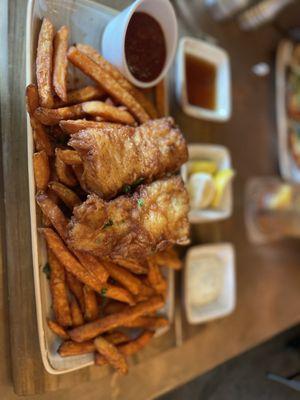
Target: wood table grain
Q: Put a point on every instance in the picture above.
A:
(268, 277)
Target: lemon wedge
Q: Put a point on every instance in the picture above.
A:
(282, 199)
(201, 190)
(221, 181)
(207, 166)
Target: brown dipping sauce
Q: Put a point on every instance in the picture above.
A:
(145, 47)
(200, 82)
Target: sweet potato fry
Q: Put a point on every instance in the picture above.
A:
(70, 348)
(160, 95)
(73, 126)
(110, 352)
(32, 99)
(107, 112)
(155, 278)
(40, 137)
(100, 76)
(70, 157)
(41, 170)
(57, 329)
(48, 116)
(129, 348)
(124, 277)
(93, 266)
(114, 307)
(91, 305)
(168, 258)
(53, 212)
(64, 172)
(44, 63)
(115, 74)
(76, 288)
(60, 62)
(67, 195)
(117, 337)
(59, 292)
(150, 323)
(77, 317)
(132, 265)
(68, 260)
(95, 328)
(76, 96)
(117, 293)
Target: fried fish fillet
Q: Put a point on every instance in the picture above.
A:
(132, 226)
(115, 158)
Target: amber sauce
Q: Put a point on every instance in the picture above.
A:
(200, 82)
(145, 47)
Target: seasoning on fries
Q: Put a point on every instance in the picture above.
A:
(60, 61)
(44, 63)
(150, 323)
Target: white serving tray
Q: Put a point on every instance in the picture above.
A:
(221, 156)
(288, 168)
(86, 20)
(226, 301)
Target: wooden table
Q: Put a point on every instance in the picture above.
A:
(268, 277)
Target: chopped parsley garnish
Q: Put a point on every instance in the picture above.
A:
(140, 202)
(47, 270)
(110, 222)
(133, 186)
(103, 292)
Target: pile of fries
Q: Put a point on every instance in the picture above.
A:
(97, 305)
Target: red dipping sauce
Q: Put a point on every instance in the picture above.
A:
(145, 47)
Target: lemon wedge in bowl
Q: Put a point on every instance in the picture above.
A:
(201, 189)
(221, 181)
(282, 199)
(206, 166)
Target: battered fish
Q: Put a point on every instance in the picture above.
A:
(115, 158)
(132, 226)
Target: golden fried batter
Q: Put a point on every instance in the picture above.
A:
(132, 226)
(114, 158)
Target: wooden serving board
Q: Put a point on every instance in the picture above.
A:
(29, 375)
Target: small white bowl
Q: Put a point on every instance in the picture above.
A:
(221, 156)
(113, 39)
(220, 59)
(226, 301)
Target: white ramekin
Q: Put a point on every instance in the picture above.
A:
(113, 39)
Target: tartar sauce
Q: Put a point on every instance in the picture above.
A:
(206, 280)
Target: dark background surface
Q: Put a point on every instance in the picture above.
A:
(244, 377)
